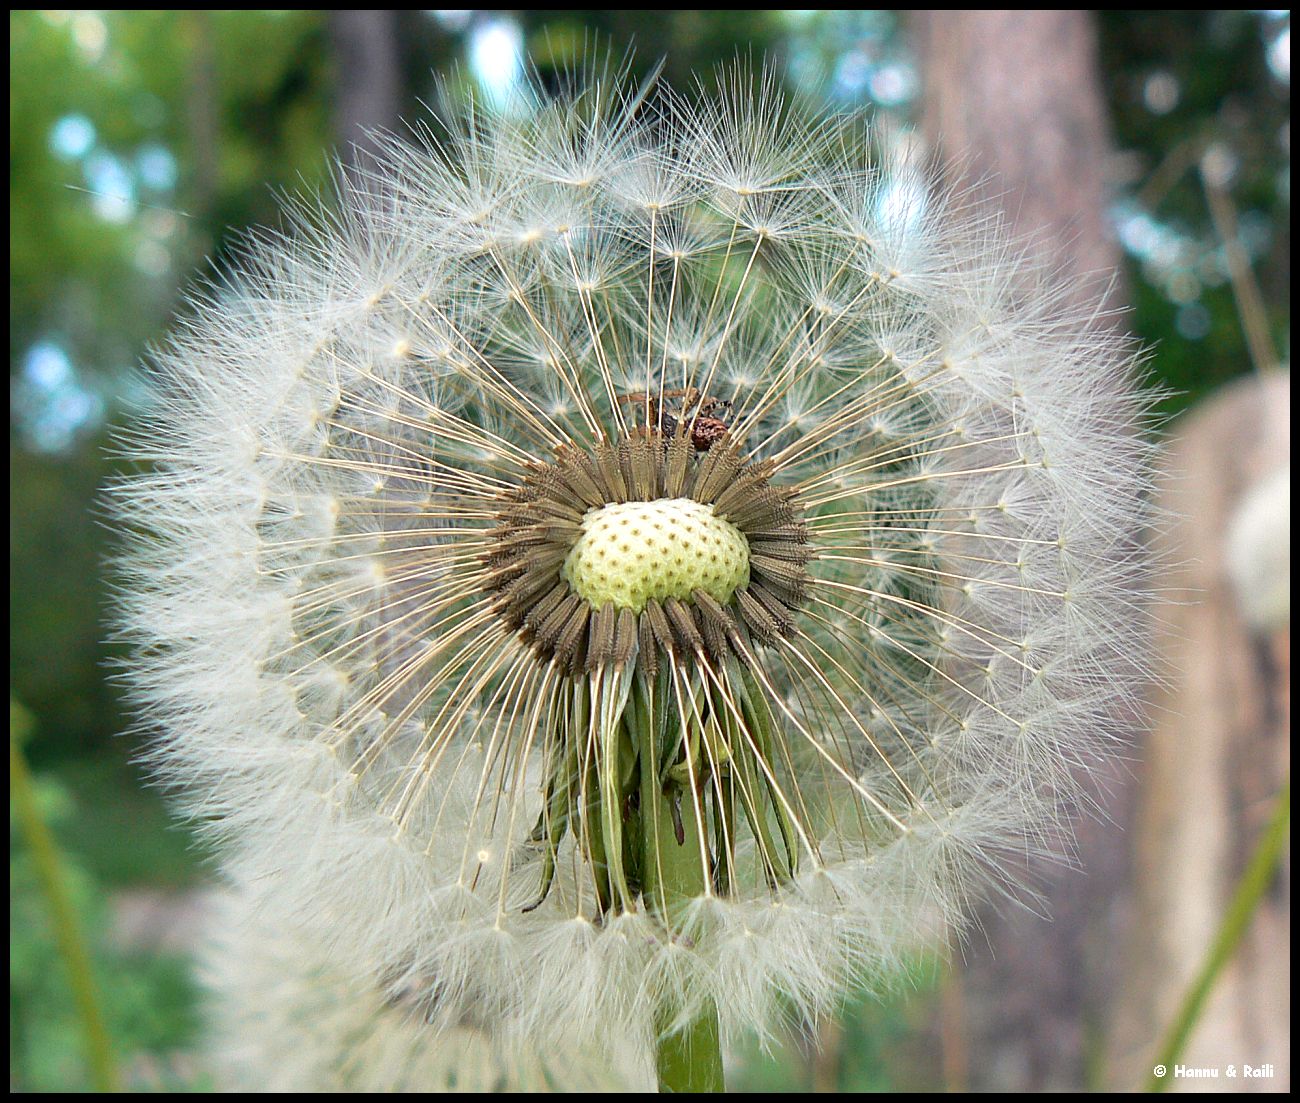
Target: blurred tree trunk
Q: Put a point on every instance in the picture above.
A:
(368, 89)
(1215, 760)
(1013, 101)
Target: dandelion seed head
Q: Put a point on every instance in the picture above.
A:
(285, 1017)
(614, 484)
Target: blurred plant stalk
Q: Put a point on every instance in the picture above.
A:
(71, 944)
(1245, 288)
(1250, 891)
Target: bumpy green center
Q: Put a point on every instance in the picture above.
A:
(632, 552)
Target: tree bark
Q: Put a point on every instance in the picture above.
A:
(1013, 104)
(1216, 757)
(368, 87)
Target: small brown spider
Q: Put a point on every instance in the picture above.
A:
(699, 411)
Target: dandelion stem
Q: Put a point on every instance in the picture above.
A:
(689, 1056)
(690, 1060)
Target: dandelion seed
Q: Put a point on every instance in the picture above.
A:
(620, 572)
(284, 1018)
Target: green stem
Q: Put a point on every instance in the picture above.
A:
(689, 1058)
(1250, 890)
(45, 856)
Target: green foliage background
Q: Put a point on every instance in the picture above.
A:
(143, 142)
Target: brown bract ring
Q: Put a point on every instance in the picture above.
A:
(541, 519)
